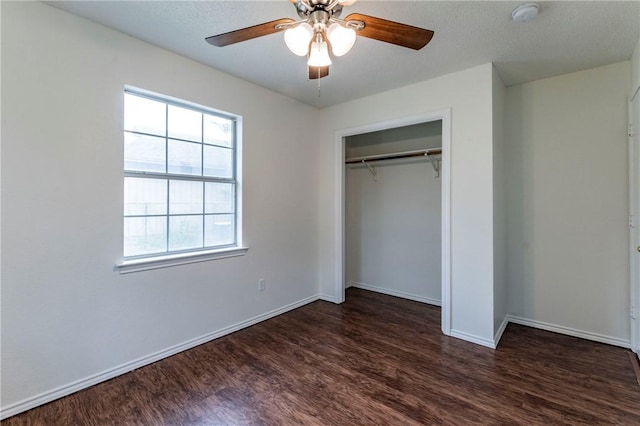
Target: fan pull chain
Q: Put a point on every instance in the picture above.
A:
(319, 82)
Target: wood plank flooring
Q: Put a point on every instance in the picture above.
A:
(374, 360)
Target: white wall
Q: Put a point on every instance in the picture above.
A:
(568, 197)
(66, 314)
(393, 229)
(635, 68)
(468, 94)
(500, 283)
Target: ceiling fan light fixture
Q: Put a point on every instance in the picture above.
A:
(341, 38)
(319, 54)
(298, 38)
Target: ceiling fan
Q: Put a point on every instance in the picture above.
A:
(320, 27)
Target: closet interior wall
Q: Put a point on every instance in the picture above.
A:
(393, 214)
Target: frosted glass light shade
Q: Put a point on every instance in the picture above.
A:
(319, 55)
(341, 39)
(298, 38)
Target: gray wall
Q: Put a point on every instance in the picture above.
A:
(500, 286)
(568, 202)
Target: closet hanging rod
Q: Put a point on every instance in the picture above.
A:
(395, 155)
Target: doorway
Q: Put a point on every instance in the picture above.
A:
(392, 212)
(341, 138)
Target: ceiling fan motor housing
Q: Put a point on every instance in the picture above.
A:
(306, 8)
(319, 20)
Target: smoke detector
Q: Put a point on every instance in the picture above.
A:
(525, 13)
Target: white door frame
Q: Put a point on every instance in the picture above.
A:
(634, 217)
(445, 173)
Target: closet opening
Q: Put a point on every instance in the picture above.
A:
(393, 197)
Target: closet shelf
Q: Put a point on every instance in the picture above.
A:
(395, 155)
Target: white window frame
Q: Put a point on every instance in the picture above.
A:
(180, 257)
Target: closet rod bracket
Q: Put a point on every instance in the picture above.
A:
(373, 170)
(435, 163)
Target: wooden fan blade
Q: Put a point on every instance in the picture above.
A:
(248, 33)
(317, 72)
(392, 32)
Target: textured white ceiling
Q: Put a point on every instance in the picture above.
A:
(567, 36)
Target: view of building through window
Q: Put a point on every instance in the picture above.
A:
(180, 177)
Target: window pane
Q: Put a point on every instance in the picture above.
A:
(218, 130)
(185, 197)
(185, 158)
(165, 213)
(144, 115)
(219, 230)
(185, 124)
(144, 153)
(145, 196)
(145, 235)
(185, 232)
(218, 162)
(218, 198)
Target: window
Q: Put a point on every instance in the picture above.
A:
(180, 183)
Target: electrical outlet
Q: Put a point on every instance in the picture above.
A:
(261, 284)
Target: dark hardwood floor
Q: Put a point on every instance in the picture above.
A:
(374, 360)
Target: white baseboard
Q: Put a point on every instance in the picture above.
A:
(327, 298)
(615, 341)
(500, 331)
(395, 293)
(473, 338)
(68, 389)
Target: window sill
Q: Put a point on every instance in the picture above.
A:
(137, 265)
